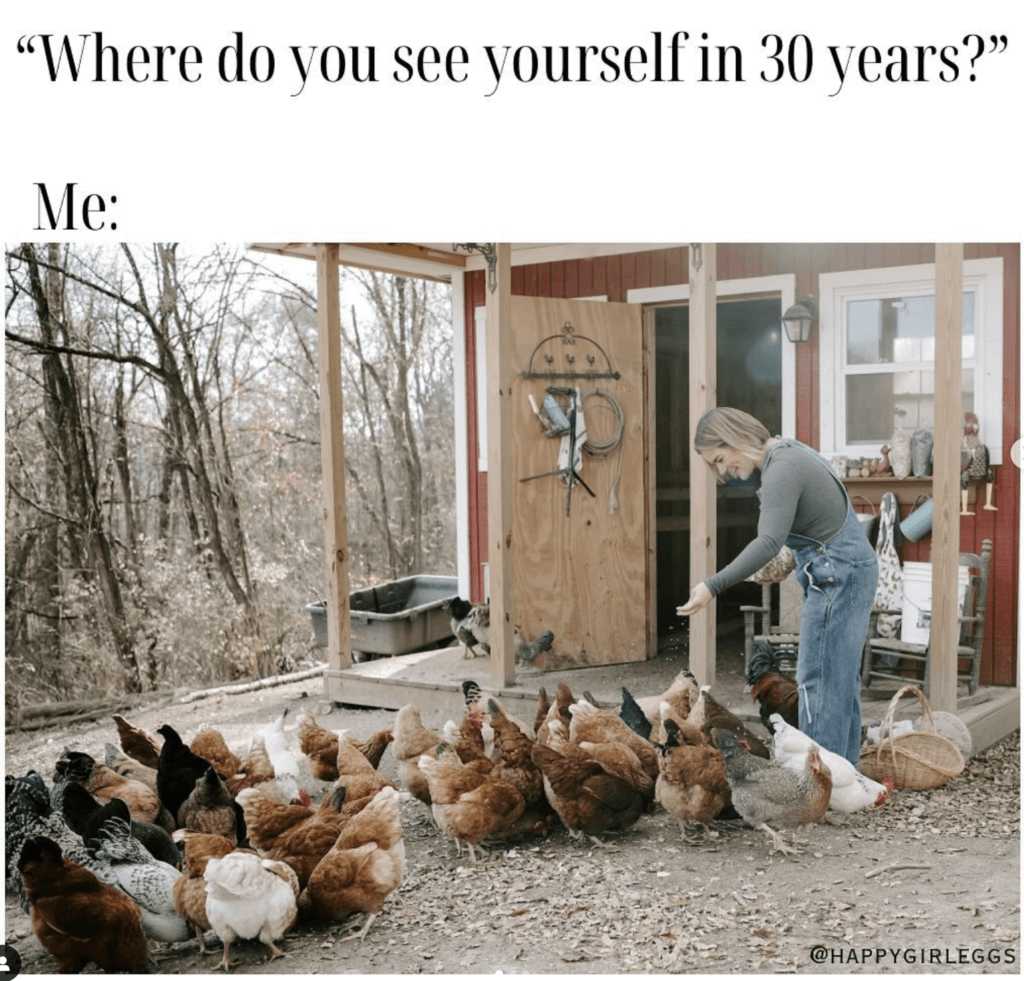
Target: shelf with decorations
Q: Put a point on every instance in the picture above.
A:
(906, 489)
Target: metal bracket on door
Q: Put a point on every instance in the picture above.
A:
(569, 337)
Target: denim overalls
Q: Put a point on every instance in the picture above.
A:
(838, 578)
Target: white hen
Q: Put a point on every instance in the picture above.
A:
(248, 896)
(851, 789)
(280, 747)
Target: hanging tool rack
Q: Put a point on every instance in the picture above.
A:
(598, 365)
(569, 338)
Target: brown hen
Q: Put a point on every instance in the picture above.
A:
(413, 740)
(692, 784)
(211, 746)
(290, 833)
(468, 802)
(137, 743)
(77, 918)
(363, 867)
(589, 800)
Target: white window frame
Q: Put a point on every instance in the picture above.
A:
(480, 326)
(983, 277)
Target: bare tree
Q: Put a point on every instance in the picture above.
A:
(163, 460)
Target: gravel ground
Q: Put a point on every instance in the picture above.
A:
(928, 884)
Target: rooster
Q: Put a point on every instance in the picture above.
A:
(770, 688)
(974, 463)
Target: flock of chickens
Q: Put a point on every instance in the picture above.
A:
(164, 840)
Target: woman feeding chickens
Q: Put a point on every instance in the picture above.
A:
(805, 506)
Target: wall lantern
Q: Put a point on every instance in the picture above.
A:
(798, 318)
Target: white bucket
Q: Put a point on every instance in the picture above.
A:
(917, 600)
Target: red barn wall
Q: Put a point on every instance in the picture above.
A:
(615, 275)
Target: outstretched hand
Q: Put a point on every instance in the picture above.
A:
(699, 598)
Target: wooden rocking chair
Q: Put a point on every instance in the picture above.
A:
(784, 636)
(916, 656)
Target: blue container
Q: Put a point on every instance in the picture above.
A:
(918, 523)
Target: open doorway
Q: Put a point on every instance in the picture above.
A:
(749, 367)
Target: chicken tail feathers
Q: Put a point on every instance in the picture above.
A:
(761, 662)
(472, 692)
(633, 715)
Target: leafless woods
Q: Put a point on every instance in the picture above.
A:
(163, 508)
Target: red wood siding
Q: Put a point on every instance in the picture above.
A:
(615, 275)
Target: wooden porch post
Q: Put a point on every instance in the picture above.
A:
(703, 488)
(332, 465)
(946, 479)
(499, 479)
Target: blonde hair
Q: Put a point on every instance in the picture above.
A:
(729, 427)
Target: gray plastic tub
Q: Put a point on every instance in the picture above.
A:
(396, 617)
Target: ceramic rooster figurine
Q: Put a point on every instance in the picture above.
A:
(974, 463)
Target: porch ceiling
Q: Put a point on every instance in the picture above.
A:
(438, 261)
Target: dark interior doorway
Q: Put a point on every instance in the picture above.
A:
(749, 378)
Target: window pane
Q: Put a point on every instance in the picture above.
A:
(899, 330)
(872, 401)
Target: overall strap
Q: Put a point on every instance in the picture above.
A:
(817, 458)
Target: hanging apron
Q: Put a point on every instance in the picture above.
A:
(889, 595)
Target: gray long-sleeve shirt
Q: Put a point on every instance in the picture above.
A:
(799, 496)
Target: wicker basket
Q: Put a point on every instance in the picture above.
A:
(915, 760)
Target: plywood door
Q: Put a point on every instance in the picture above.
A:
(585, 576)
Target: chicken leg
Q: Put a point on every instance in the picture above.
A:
(359, 934)
(275, 951)
(778, 845)
(225, 962)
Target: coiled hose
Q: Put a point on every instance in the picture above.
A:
(606, 447)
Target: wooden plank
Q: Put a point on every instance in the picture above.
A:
(703, 488)
(991, 720)
(946, 479)
(393, 693)
(651, 476)
(412, 251)
(499, 478)
(332, 461)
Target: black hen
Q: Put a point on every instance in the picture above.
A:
(177, 770)
(85, 816)
(633, 715)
